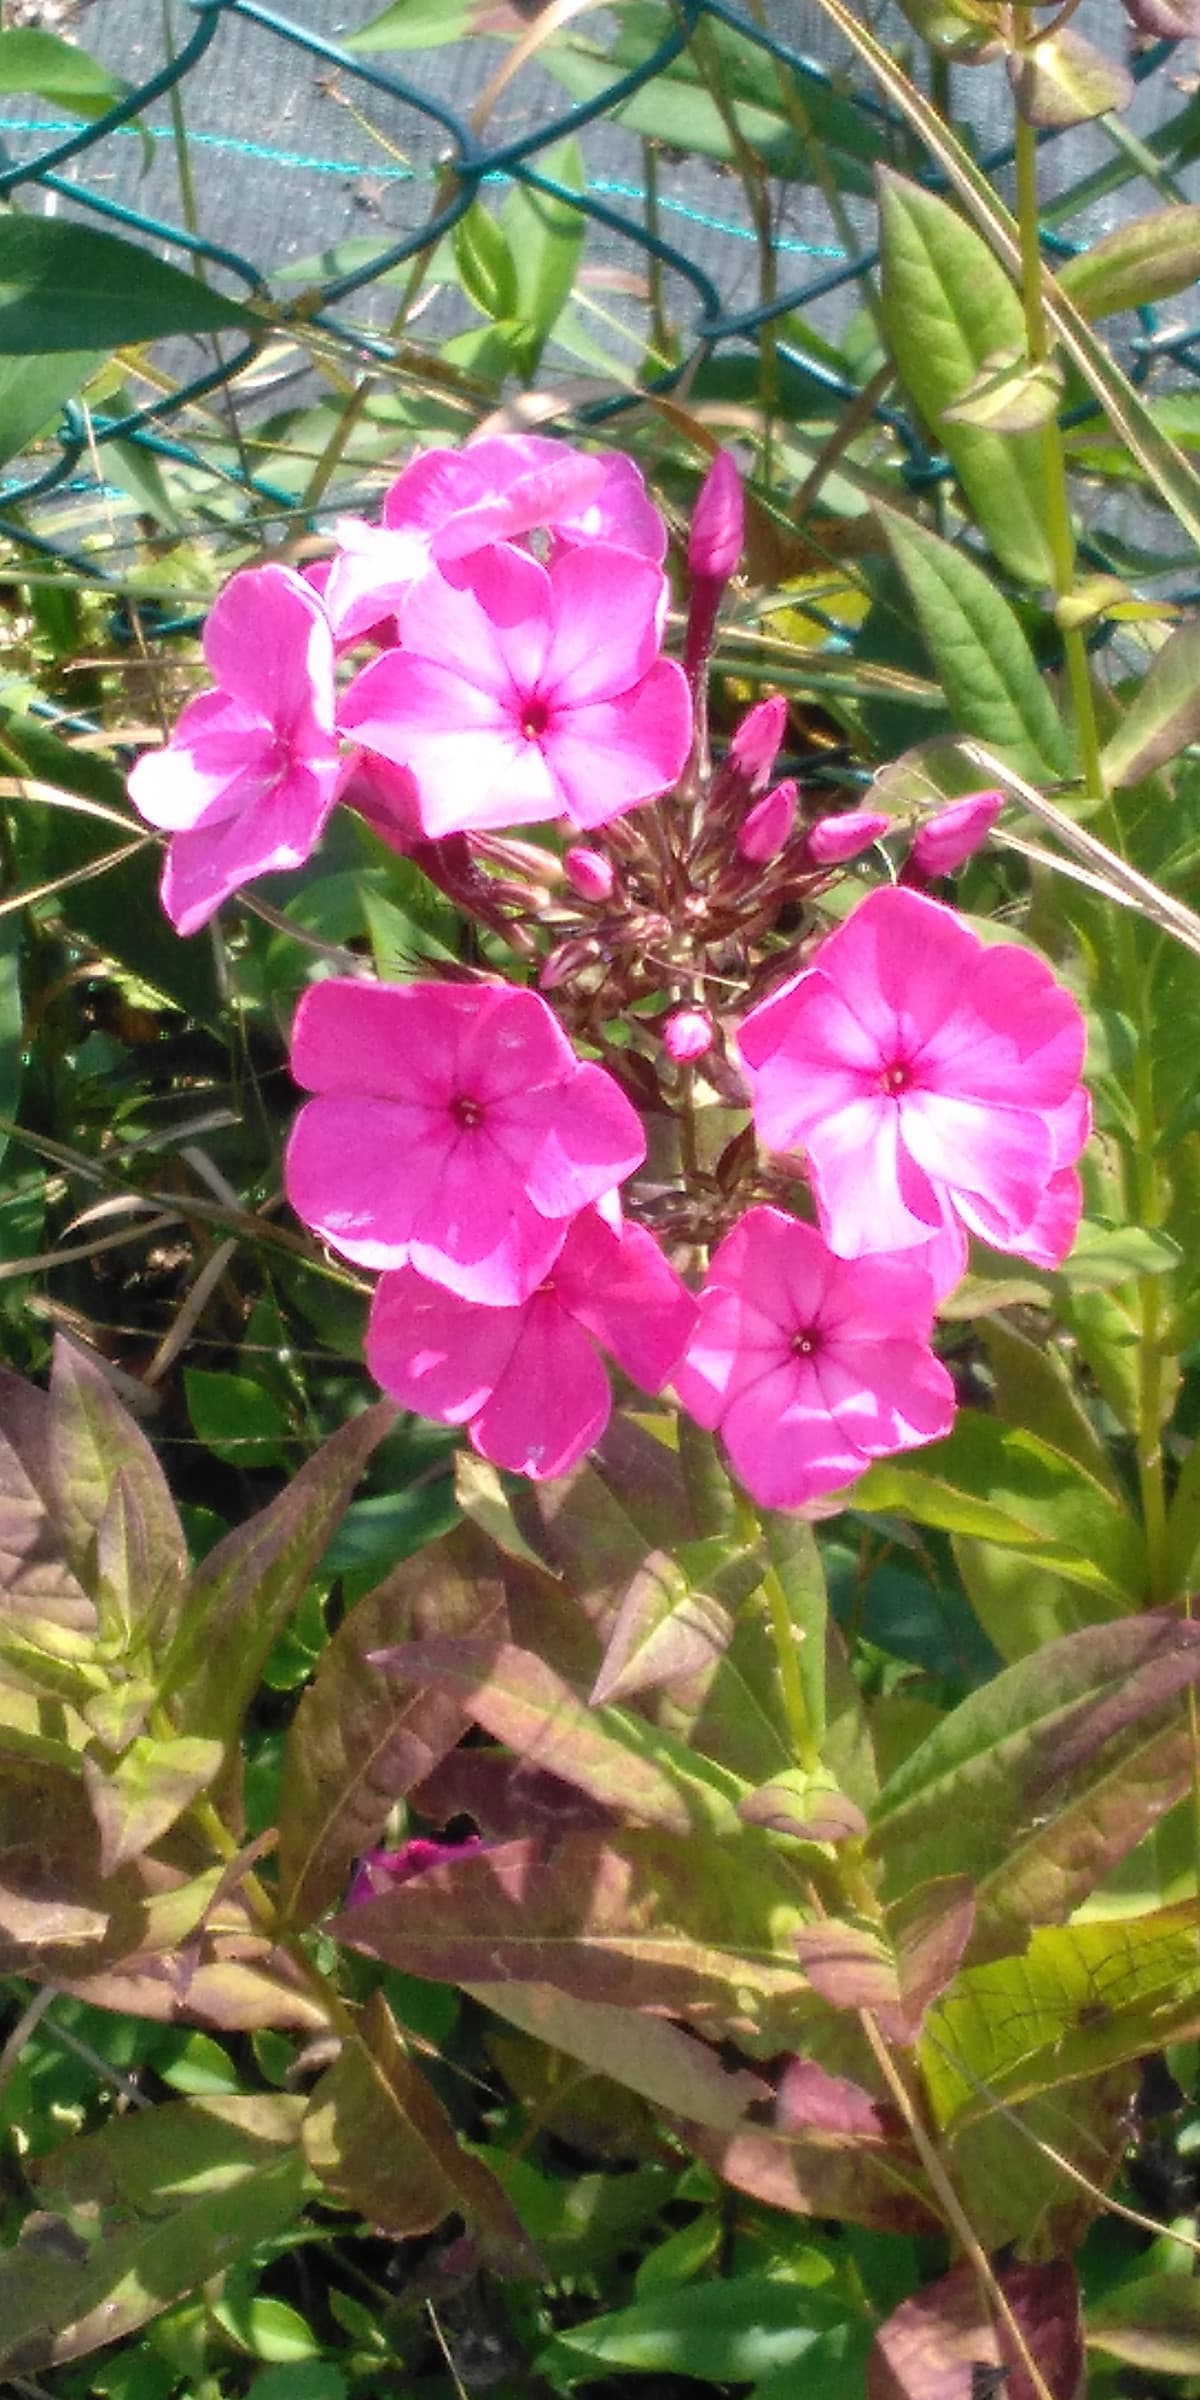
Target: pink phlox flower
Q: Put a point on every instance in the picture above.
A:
(527, 1381)
(448, 504)
(930, 1079)
(454, 1130)
(249, 776)
(380, 1871)
(810, 1367)
(534, 692)
(952, 834)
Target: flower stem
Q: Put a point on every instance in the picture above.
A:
(1149, 1200)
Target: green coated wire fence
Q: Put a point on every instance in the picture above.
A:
(704, 76)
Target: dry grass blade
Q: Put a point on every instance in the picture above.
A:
(1116, 878)
(96, 867)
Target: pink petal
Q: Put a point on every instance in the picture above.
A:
(900, 962)
(384, 795)
(434, 1353)
(371, 575)
(1015, 1036)
(559, 482)
(218, 757)
(620, 514)
(510, 1046)
(476, 1230)
(1003, 1156)
(572, 1143)
(281, 829)
(494, 629)
(627, 1296)
(552, 1401)
(389, 1040)
(607, 616)
(886, 1395)
(267, 641)
(611, 754)
(359, 1170)
(785, 1453)
(870, 1193)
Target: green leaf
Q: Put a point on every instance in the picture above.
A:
(244, 1591)
(1079, 1999)
(1136, 265)
(994, 688)
(359, 1741)
(66, 287)
(545, 239)
(382, 2143)
(1064, 80)
(998, 1483)
(135, 2216)
(732, 2331)
(485, 263)
(235, 1417)
(34, 61)
(1164, 715)
(1106, 1255)
(1009, 394)
(948, 306)
(147, 1792)
(796, 1564)
(420, 25)
(1038, 1783)
(32, 392)
(1152, 2323)
(642, 2053)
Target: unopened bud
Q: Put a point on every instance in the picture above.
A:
(719, 524)
(569, 960)
(755, 744)
(687, 1034)
(832, 840)
(385, 795)
(950, 837)
(589, 872)
(762, 834)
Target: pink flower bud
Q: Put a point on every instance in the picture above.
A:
(589, 872)
(687, 1034)
(755, 744)
(953, 833)
(718, 526)
(763, 833)
(832, 840)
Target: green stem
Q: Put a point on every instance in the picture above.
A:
(783, 1634)
(1149, 1197)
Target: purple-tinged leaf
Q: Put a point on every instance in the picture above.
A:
(1039, 1782)
(665, 1630)
(864, 2175)
(506, 1797)
(382, 2143)
(931, 2343)
(141, 1558)
(140, 2214)
(36, 1584)
(811, 2100)
(617, 1759)
(929, 1929)
(359, 1740)
(146, 1792)
(596, 1527)
(243, 1593)
(232, 1995)
(644, 2054)
(853, 1966)
(809, 1807)
(680, 1925)
(1152, 2324)
(54, 1901)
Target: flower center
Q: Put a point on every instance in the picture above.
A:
(466, 1111)
(896, 1078)
(535, 716)
(806, 1343)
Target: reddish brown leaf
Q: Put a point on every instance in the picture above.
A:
(382, 2144)
(645, 2054)
(664, 1631)
(506, 1797)
(852, 1966)
(822, 2172)
(928, 2347)
(810, 2100)
(131, 1546)
(234, 1995)
(360, 1739)
(640, 1920)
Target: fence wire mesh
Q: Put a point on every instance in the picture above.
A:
(723, 182)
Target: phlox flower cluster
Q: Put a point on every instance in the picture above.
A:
(906, 1083)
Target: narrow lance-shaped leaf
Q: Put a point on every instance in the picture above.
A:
(643, 2053)
(1152, 2323)
(382, 2143)
(132, 1543)
(993, 684)
(948, 307)
(1164, 714)
(243, 1593)
(699, 1928)
(617, 1758)
(1135, 265)
(1038, 1783)
(64, 286)
(138, 2215)
(360, 1740)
